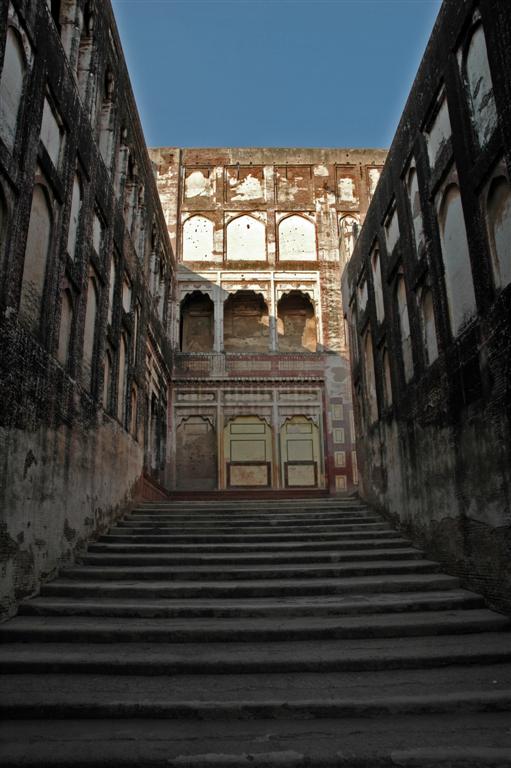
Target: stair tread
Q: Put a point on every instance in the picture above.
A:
(449, 617)
(483, 738)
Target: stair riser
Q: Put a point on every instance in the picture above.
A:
(154, 560)
(126, 538)
(93, 573)
(230, 530)
(249, 522)
(260, 590)
(279, 611)
(271, 710)
(150, 667)
(271, 549)
(77, 635)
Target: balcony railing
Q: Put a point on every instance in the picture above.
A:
(245, 365)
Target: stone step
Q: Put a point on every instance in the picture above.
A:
(372, 524)
(26, 693)
(290, 507)
(271, 549)
(252, 517)
(253, 528)
(265, 657)
(353, 605)
(250, 521)
(247, 539)
(156, 558)
(75, 629)
(262, 588)
(248, 572)
(458, 740)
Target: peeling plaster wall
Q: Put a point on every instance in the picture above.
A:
(437, 459)
(85, 290)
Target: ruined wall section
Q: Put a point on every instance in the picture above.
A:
(85, 290)
(428, 293)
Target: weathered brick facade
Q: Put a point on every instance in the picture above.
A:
(85, 280)
(261, 395)
(429, 296)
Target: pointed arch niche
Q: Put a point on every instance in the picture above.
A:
(246, 323)
(297, 239)
(246, 239)
(197, 325)
(198, 239)
(196, 453)
(248, 452)
(301, 453)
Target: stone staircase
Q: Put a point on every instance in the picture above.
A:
(255, 633)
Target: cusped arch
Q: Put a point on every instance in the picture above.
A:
(198, 238)
(11, 86)
(246, 239)
(246, 322)
(296, 323)
(196, 322)
(297, 238)
(498, 215)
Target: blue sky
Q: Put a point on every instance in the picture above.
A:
(303, 73)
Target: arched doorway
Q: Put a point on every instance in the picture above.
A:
(196, 454)
(248, 453)
(301, 453)
(197, 323)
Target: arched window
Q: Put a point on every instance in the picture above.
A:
(429, 338)
(11, 87)
(127, 292)
(498, 219)
(392, 229)
(197, 323)
(74, 218)
(52, 133)
(85, 49)
(54, 6)
(377, 285)
(3, 223)
(89, 334)
(370, 381)
(198, 239)
(71, 22)
(297, 239)
(111, 289)
(480, 87)
(133, 412)
(349, 228)
(404, 328)
(387, 378)
(107, 380)
(36, 259)
(122, 381)
(246, 239)
(66, 327)
(412, 184)
(456, 256)
(107, 121)
(296, 323)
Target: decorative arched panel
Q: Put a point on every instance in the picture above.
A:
(300, 452)
(198, 239)
(246, 239)
(248, 452)
(196, 454)
(297, 239)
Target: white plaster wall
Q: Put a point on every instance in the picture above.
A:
(246, 239)
(347, 191)
(198, 185)
(198, 239)
(297, 239)
(374, 177)
(248, 189)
